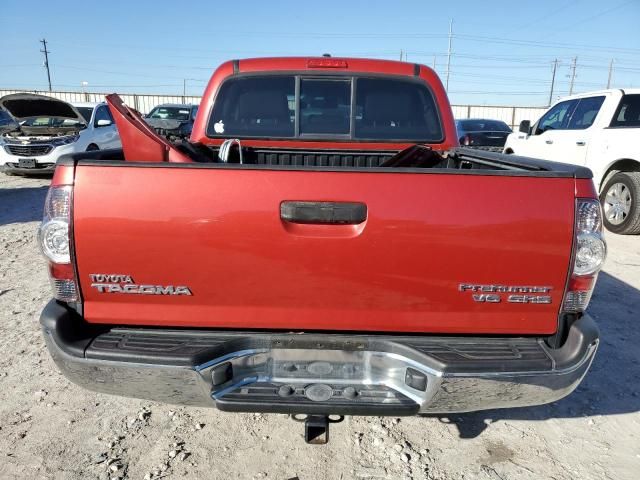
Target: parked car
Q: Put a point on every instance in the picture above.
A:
(599, 130)
(349, 259)
(44, 128)
(483, 133)
(173, 120)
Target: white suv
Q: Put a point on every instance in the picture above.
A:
(600, 130)
(45, 128)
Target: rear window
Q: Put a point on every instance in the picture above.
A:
(628, 113)
(171, 113)
(325, 106)
(254, 107)
(383, 109)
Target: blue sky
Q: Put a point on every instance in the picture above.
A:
(502, 50)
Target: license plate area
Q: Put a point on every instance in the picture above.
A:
(27, 162)
(320, 376)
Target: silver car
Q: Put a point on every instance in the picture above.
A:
(42, 129)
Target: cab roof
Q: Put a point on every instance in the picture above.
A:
(336, 64)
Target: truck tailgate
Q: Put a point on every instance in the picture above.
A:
(219, 233)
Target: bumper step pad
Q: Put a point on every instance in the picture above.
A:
(317, 398)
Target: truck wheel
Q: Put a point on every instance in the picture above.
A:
(92, 147)
(619, 199)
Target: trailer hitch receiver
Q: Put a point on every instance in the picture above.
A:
(316, 427)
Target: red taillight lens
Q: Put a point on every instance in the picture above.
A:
(579, 293)
(590, 251)
(55, 243)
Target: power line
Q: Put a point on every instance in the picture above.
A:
(495, 61)
(618, 67)
(483, 92)
(502, 77)
(494, 58)
(517, 64)
(535, 43)
(46, 60)
(129, 74)
(375, 35)
(58, 85)
(599, 15)
(498, 67)
(547, 15)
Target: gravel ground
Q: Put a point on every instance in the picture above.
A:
(49, 428)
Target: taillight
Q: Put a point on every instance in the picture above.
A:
(590, 251)
(55, 242)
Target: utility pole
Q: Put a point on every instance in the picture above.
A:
(400, 54)
(434, 61)
(46, 60)
(573, 74)
(184, 87)
(610, 73)
(553, 80)
(446, 84)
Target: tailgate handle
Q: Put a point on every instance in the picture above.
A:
(324, 213)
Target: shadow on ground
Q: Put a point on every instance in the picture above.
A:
(19, 205)
(611, 387)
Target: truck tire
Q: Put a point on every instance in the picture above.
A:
(92, 147)
(620, 199)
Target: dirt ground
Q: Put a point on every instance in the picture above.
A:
(49, 428)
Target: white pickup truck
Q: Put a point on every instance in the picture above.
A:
(599, 130)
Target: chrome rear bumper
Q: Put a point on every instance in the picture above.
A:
(325, 374)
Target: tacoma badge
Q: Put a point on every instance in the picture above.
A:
(117, 283)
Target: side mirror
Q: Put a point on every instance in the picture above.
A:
(525, 127)
(104, 123)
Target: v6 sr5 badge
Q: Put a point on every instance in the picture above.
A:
(508, 293)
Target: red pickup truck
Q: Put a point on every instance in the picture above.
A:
(321, 246)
